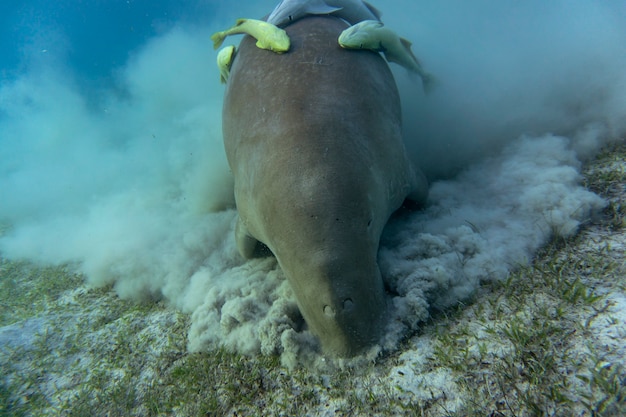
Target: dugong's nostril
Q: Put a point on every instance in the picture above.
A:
(346, 305)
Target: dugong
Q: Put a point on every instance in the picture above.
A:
(313, 139)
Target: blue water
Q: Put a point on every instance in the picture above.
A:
(90, 36)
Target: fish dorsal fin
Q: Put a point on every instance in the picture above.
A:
(320, 7)
(373, 9)
(407, 45)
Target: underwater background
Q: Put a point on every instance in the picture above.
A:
(112, 163)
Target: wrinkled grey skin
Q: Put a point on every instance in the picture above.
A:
(313, 138)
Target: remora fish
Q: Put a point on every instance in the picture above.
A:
(352, 11)
(224, 60)
(373, 35)
(268, 36)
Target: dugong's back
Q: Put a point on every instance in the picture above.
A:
(313, 138)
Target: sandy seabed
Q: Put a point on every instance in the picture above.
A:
(549, 341)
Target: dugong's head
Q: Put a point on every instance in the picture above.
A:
(341, 300)
(327, 247)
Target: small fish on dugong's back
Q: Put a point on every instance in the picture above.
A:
(352, 11)
(224, 60)
(268, 36)
(314, 142)
(373, 35)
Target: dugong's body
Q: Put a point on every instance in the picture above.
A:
(313, 138)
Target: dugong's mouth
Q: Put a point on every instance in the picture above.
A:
(349, 322)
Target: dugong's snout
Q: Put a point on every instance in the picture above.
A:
(350, 325)
(346, 311)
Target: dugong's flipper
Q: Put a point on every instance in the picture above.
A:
(419, 193)
(246, 244)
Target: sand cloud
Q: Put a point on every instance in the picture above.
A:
(129, 181)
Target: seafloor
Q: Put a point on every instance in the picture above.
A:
(551, 340)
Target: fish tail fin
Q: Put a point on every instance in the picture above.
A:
(414, 76)
(428, 82)
(218, 39)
